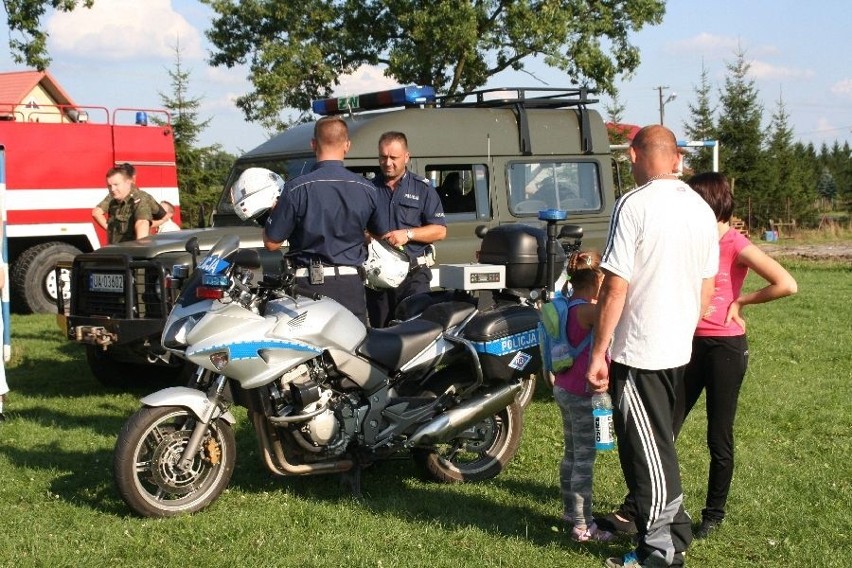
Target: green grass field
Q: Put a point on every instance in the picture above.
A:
(791, 502)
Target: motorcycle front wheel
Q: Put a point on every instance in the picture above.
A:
(146, 458)
(478, 453)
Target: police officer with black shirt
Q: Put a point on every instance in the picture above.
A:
(413, 209)
(323, 215)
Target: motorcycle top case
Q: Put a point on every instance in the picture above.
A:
(523, 251)
(506, 341)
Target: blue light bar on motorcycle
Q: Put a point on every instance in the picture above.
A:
(403, 96)
(221, 281)
(552, 215)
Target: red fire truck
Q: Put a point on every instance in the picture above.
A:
(53, 163)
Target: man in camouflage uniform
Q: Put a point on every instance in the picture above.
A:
(129, 213)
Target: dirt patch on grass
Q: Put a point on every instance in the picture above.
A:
(827, 251)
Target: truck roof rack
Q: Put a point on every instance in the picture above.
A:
(526, 97)
(521, 99)
(518, 99)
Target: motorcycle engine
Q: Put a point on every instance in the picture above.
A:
(304, 392)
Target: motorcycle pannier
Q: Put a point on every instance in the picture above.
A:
(523, 251)
(506, 341)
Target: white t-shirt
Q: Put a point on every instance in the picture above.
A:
(168, 227)
(663, 240)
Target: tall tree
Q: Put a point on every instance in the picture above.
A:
(701, 127)
(741, 137)
(201, 170)
(840, 164)
(297, 51)
(786, 190)
(618, 133)
(27, 41)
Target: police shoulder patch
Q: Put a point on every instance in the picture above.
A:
(420, 178)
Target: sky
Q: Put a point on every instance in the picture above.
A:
(119, 54)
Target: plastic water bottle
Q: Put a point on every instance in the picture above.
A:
(602, 414)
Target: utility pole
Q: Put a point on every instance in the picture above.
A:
(663, 103)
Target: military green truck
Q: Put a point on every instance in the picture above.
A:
(495, 156)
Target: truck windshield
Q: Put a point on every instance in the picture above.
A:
(570, 185)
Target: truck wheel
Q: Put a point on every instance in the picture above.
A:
(108, 371)
(120, 374)
(34, 285)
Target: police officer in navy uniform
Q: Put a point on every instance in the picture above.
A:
(324, 215)
(413, 210)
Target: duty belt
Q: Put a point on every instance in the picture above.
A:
(329, 271)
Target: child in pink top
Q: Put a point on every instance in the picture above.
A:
(574, 401)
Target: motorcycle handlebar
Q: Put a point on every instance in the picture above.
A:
(301, 291)
(286, 283)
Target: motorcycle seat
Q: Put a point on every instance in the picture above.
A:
(394, 346)
(448, 314)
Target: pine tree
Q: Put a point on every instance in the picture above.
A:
(622, 173)
(787, 194)
(741, 138)
(702, 127)
(200, 176)
(840, 164)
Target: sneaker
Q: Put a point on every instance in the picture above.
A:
(581, 535)
(614, 523)
(707, 526)
(629, 560)
(598, 534)
(592, 532)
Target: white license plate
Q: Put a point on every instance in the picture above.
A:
(106, 282)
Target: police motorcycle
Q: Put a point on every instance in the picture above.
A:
(324, 394)
(519, 268)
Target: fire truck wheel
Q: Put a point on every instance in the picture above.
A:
(34, 285)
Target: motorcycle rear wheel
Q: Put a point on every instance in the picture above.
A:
(527, 392)
(479, 453)
(145, 462)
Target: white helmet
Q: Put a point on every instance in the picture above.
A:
(386, 266)
(255, 191)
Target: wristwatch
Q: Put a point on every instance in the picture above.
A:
(409, 234)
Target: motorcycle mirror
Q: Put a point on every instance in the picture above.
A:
(571, 232)
(193, 249)
(247, 258)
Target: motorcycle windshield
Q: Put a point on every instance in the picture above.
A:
(216, 262)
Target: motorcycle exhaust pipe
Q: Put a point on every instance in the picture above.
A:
(448, 425)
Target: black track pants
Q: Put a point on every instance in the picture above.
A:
(644, 406)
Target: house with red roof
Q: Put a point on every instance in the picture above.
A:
(34, 96)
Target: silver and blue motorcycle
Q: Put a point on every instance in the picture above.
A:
(324, 394)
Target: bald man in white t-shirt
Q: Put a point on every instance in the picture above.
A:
(660, 259)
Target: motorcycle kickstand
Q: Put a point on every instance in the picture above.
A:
(352, 479)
